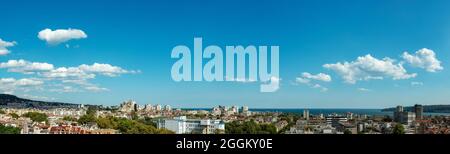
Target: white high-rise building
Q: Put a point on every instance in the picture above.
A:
(182, 125)
(306, 114)
(234, 109)
(128, 106)
(167, 108)
(216, 111)
(148, 107)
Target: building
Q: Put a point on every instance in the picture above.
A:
(128, 106)
(398, 113)
(306, 114)
(182, 125)
(360, 127)
(349, 115)
(408, 118)
(216, 111)
(245, 111)
(148, 107)
(167, 108)
(158, 107)
(418, 109)
(234, 110)
(405, 117)
(335, 121)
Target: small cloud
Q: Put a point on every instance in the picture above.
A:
(322, 89)
(55, 37)
(309, 79)
(319, 77)
(414, 83)
(96, 89)
(4, 45)
(364, 89)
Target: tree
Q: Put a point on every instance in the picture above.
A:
(91, 110)
(148, 121)
(9, 130)
(346, 131)
(36, 116)
(127, 126)
(2, 112)
(14, 115)
(398, 129)
(249, 127)
(69, 118)
(107, 123)
(87, 118)
(387, 119)
(134, 115)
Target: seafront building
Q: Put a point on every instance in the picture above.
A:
(182, 125)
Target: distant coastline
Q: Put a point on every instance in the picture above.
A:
(426, 109)
(11, 101)
(326, 111)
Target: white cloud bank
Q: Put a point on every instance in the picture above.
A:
(79, 75)
(26, 67)
(4, 47)
(320, 77)
(369, 68)
(424, 58)
(58, 36)
(9, 85)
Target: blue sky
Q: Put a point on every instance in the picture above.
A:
(133, 40)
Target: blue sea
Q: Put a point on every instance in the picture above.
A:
(370, 112)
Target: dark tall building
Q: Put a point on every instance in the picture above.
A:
(398, 113)
(418, 109)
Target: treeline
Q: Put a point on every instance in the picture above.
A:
(249, 127)
(16, 102)
(9, 129)
(36, 116)
(125, 126)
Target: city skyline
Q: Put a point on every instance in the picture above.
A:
(371, 54)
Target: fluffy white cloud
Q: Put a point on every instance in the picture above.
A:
(78, 76)
(9, 85)
(4, 47)
(67, 73)
(104, 69)
(424, 58)
(302, 80)
(369, 68)
(308, 79)
(57, 36)
(319, 77)
(26, 67)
